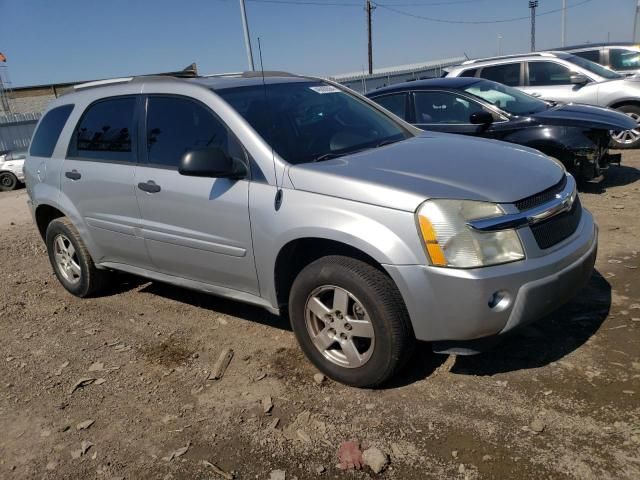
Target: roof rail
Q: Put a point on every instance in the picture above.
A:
(98, 83)
(251, 74)
(517, 55)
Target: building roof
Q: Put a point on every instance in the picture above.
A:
(398, 69)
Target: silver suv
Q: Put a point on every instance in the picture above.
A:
(566, 78)
(623, 58)
(299, 196)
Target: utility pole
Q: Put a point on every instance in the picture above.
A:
(370, 8)
(499, 44)
(533, 4)
(564, 23)
(636, 23)
(247, 37)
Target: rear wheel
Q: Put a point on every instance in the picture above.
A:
(628, 138)
(71, 261)
(8, 181)
(350, 321)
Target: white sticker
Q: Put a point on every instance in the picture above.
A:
(325, 89)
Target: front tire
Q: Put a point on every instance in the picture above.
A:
(629, 138)
(71, 261)
(350, 321)
(8, 181)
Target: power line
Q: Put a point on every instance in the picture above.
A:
(353, 4)
(476, 22)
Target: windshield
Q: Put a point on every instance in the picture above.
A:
(312, 121)
(592, 67)
(506, 98)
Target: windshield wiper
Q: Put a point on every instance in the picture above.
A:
(388, 141)
(328, 156)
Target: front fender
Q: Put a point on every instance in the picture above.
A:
(386, 235)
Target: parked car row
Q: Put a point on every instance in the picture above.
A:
(566, 78)
(297, 195)
(11, 169)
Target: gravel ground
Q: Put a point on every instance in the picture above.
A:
(559, 400)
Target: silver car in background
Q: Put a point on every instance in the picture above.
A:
(621, 57)
(297, 195)
(12, 169)
(566, 78)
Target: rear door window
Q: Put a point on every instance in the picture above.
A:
(46, 136)
(593, 55)
(507, 74)
(107, 131)
(396, 103)
(469, 73)
(543, 74)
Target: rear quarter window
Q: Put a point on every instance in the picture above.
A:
(46, 136)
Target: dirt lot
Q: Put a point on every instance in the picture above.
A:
(559, 400)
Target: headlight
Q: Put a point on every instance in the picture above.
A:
(450, 242)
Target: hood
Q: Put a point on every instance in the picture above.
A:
(432, 165)
(586, 116)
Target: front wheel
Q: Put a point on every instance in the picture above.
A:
(8, 181)
(628, 138)
(350, 321)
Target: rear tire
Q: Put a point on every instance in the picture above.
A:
(630, 138)
(8, 181)
(71, 261)
(350, 321)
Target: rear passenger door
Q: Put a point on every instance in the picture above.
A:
(195, 227)
(97, 177)
(506, 73)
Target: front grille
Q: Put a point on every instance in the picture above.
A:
(553, 231)
(542, 197)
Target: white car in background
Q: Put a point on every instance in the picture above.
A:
(12, 169)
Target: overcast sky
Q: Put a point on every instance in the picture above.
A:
(70, 40)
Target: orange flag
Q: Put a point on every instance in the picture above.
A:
(2, 57)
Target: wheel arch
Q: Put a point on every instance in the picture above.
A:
(296, 254)
(621, 103)
(44, 215)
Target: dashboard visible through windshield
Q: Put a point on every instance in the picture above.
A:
(312, 121)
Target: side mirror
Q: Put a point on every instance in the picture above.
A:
(481, 118)
(578, 79)
(211, 162)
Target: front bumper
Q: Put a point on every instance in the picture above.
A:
(452, 304)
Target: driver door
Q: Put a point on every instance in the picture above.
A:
(550, 81)
(194, 227)
(446, 111)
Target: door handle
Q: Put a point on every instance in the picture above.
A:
(150, 187)
(73, 175)
(535, 94)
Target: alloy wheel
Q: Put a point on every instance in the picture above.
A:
(339, 326)
(628, 137)
(66, 259)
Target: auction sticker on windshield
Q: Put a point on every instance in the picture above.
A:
(325, 89)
